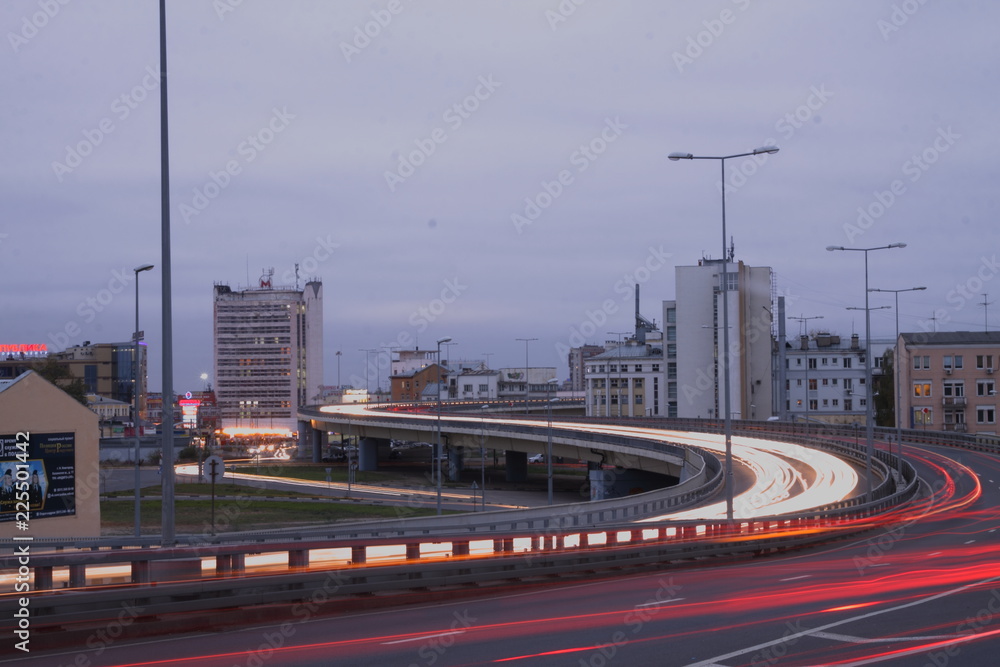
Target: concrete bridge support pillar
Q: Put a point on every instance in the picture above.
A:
(517, 466)
(368, 454)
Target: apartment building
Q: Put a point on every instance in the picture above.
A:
(268, 350)
(947, 380)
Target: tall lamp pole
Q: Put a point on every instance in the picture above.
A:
(724, 286)
(869, 426)
(167, 515)
(527, 387)
(437, 455)
(135, 395)
(618, 392)
(802, 321)
(548, 449)
(897, 369)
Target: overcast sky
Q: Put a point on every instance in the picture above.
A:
(492, 170)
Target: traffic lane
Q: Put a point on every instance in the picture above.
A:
(552, 620)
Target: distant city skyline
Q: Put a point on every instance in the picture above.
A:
(491, 172)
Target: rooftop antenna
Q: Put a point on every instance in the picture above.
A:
(296, 277)
(732, 249)
(986, 311)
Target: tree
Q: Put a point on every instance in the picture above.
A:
(60, 375)
(885, 392)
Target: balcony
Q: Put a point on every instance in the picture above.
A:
(953, 401)
(955, 428)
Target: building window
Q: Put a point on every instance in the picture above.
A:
(958, 361)
(826, 382)
(985, 388)
(671, 315)
(813, 405)
(984, 361)
(638, 368)
(613, 368)
(954, 388)
(847, 362)
(825, 402)
(638, 399)
(848, 405)
(835, 402)
(985, 414)
(921, 388)
(948, 362)
(467, 388)
(671, 334)
(812, 384)
(923, 416)
(825, 361)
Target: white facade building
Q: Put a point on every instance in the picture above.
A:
(626, 380)
(693, 340)
(825, 378)
(268, 349)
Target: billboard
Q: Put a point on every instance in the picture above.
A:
(47, 464)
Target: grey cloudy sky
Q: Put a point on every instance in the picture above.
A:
(397, 151)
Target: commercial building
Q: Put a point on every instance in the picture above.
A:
(513, 385)
(268, 350)
(576, 359)
(49, 441)
(626, 379)
(947, 380)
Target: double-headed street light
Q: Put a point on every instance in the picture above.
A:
(724, 286)
(437, 453)
(135, 395)
(869, 426)
(897, 369)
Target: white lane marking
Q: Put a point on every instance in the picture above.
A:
(801, 576)
(657, 603)
(880, 640)
(423, 637)
(784, 639)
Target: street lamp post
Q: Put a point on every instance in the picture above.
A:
(437, 454)
(618, 389)
(548, 448)
(527, 386)
(869, 426)
(803, 321)
(724, 286)
(135, 395)
(897, 371)
(482, 455)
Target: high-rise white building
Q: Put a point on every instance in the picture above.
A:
(268, 349)
(693, 338)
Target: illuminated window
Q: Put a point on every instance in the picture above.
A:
(921, 388)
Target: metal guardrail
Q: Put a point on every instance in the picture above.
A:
(551, 551)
